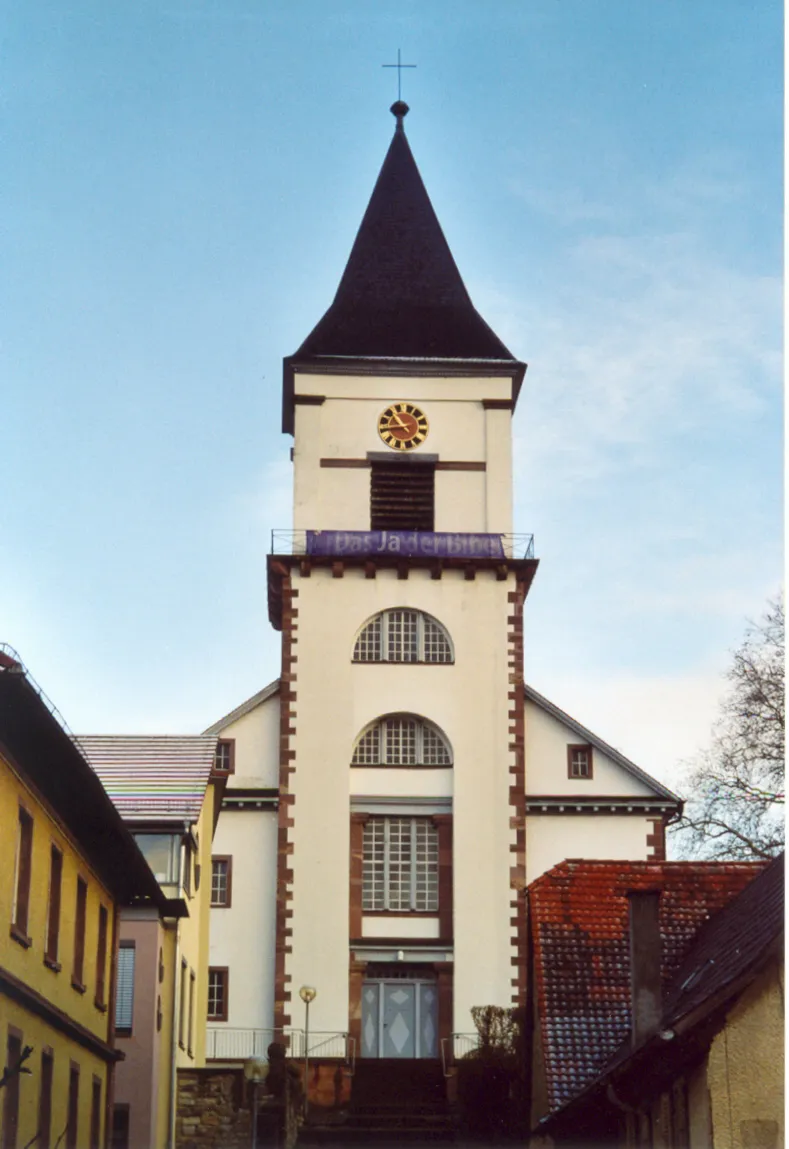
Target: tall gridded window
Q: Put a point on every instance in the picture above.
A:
(221, 880)
(124, 991)
(402, 740)
(400, 865)
(403, 636)
(218, 978)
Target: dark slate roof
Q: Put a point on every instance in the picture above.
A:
(43, 752)
(579, 917)
(731, 944)
(401, 295)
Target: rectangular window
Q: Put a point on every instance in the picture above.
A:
(402, 496)
(218, 978)
(95, 1114)
(120, 1127)
(221, 881)
(101, 958)
(124, 992)
(191, 1029)
(225, 756)
(579, 761)
(182, 1007)
(53, 909)
(80, 913)
(10, 1093)
(72, 1125)
(45, 1101)
(24, 861)
(162, 852)
(400, 865)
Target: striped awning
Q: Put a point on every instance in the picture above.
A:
(152, 777)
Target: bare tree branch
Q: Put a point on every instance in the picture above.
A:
(737, 786)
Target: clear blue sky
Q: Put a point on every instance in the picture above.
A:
(182, 183)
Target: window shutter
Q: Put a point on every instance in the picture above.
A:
(124, 994)
(402, 497)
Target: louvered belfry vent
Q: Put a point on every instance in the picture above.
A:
(402, 497)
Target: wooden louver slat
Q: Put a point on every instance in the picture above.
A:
(401, 497)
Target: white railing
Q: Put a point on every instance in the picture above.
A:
(227, 1043)
(455, 1047)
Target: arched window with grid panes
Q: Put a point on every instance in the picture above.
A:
(401, 740)
(403, 635)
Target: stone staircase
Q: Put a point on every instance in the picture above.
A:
(393, 1103)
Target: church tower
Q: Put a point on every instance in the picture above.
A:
(401, 854)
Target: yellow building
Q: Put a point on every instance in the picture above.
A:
(67, 865)
(165, 789)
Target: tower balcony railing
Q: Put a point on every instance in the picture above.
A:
(403, 544)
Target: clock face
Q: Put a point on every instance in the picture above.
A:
(403, 426)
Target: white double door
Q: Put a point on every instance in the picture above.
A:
(399, 1019)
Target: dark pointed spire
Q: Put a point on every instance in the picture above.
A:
(401, 294)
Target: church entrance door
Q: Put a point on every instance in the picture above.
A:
(400, 1019)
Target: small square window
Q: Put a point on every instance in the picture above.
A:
(579, 761)
(225, 756)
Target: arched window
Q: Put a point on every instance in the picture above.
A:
(402, 740)
(403, 636)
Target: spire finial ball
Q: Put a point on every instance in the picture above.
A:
(399, 110)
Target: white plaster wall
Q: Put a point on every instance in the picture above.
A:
(498, 484)
(547, 740)
(468, 701)
(346, 426)
(551, 838)
(390, 782)
(400, 927)
(257, 746)
(461, 501)
(243, 936)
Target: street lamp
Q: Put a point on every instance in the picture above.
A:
(256, 1072)
(307, 993)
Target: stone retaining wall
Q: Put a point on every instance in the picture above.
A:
(214, 1111)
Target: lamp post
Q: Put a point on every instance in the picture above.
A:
(307, 993)
(256, 1072)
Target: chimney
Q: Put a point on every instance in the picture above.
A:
(645, 1004)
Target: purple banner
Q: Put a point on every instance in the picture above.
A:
(409, 544)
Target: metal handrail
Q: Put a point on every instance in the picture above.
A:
(237, 1043)
(514, 546)
(459, 1045)
(241, 1042)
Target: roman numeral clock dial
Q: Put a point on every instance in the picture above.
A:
(402, 426)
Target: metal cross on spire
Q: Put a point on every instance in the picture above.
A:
(399, 67)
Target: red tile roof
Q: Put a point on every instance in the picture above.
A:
(579, 920)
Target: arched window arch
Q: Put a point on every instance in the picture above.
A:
(403, 635)
(401, 740)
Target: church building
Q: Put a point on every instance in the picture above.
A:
(392, 794)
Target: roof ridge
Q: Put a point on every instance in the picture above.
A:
(595, 740)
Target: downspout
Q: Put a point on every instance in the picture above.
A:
(174, 1035)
